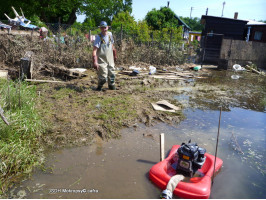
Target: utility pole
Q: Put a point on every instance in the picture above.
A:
(191, 11)
(223, 8)
(168, 2)
(207, 11)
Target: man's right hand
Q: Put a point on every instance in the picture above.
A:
(95, 62)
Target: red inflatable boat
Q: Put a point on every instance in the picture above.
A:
(196, 187)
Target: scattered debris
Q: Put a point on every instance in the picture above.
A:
(254, 70)
(2, 26)
(235, 77)
(134, 73)
(3, 74)
(237, 67)
(197, 68)
(165, 106)
(152, 70)
(77, 72)
(20, 20)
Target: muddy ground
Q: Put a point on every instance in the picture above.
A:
(76, 114)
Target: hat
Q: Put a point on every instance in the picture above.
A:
(103, 24)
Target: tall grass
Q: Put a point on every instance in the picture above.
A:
(20, 147)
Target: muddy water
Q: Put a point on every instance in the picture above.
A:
(119, 168)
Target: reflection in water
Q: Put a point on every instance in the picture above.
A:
(119, 168)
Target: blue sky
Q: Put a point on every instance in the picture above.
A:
(247, 9)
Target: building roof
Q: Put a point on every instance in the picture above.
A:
(222, 18)
(252, 22)
(195, 32)
(181, 22)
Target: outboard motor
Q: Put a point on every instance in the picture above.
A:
(191, 158)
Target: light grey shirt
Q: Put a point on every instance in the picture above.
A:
(97, 42)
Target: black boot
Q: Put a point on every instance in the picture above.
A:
(111, 87)
(99, 88)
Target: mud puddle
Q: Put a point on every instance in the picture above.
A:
(119, 168)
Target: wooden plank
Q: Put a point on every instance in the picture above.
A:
(3, 74)
(43, 81)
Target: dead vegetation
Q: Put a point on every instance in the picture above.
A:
(49, 56)
(130, 53)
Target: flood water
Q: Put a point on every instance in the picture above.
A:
(119, 168)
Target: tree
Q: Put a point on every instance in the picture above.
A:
(193, 23)
(163, 18)
(126, 20)
(49, 11)
(143, 31)
(104, 10)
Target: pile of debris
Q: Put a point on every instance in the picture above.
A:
(48, 58)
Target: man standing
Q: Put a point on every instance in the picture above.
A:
(104, 55)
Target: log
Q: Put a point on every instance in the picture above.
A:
(2, 116)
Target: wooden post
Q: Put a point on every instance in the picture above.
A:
(121, 33)
(162, 147)
(152, 39)
(26, 65)
(170, 42)
(8, 94)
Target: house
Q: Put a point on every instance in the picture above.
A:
(229, 41)
(256, 31)
(215, 30)
(193, 35)
(185, 27)
(231, 28)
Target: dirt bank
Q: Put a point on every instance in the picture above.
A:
(75, 112)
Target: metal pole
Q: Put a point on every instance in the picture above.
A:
(217, 144)
(223, 8)
(204, 49)
(162, 147)
(191, 11)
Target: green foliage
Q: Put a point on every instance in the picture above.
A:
(126, 20)
(36, 21)
(193, 23)
(20, 148)
(195, 44)
(165, 34)
(49, 10)
(104, 10)
(163, 18)
(143, 31)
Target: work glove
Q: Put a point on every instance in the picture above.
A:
(115, 54)
(95, 62)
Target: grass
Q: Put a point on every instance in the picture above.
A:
(20, 148)
(112, 112)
